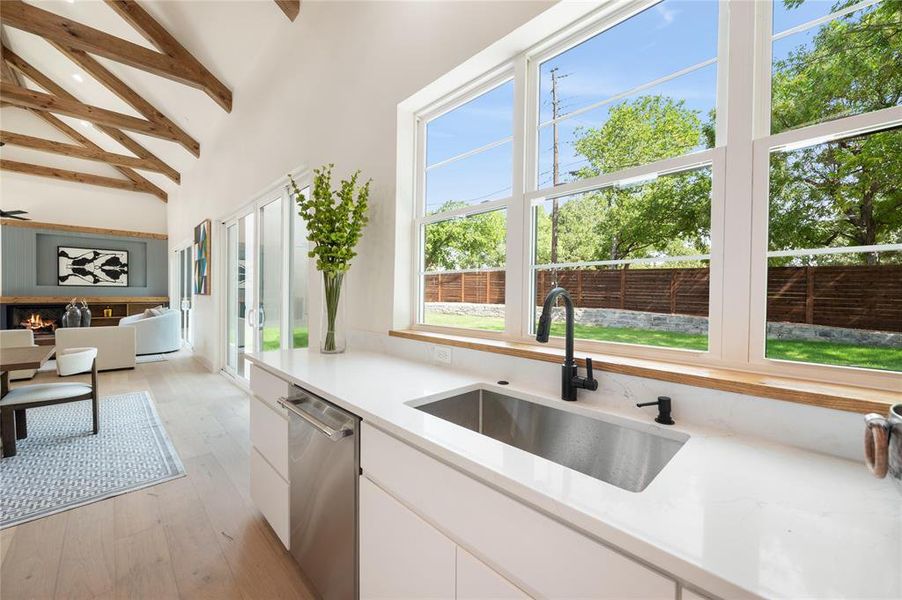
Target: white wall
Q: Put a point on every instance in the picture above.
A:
(329, 92)
(53, 201)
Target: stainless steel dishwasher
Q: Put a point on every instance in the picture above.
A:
(324, 465)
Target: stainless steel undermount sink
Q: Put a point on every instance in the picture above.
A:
(624, 456)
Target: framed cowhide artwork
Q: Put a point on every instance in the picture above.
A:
(92, 267)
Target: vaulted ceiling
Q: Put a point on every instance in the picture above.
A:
(124, 94)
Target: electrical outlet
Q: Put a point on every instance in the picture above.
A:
(441, 355)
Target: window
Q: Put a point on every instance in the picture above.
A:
(834, 266)
(467, 172)
(828, 66)
(634, 257)
(299, 291)
(622, 159)
(655, 72)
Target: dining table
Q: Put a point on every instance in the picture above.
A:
(26, 359)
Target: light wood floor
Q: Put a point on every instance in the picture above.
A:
(195, 537)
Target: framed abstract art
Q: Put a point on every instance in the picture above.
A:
(202, 258)
(92, 267)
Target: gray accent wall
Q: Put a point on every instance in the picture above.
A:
(29, 263)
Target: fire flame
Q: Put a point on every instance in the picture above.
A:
(35, 321)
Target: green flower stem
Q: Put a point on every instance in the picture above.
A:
(332, 286)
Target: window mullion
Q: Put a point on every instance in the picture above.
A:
(517, 260)
(735, 288)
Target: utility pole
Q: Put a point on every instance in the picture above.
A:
(555, 168)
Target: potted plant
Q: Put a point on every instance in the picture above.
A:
(335, 221)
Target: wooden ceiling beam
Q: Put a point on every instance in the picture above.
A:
(157, 35)
(291, 8)
(75, 135)
(29, 71)
(26, 98)
(128, 95)
(35, 143)
(74, 176)
(179, 66)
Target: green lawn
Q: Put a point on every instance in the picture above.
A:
(827, 353)
(271, 338)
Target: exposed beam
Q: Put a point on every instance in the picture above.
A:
(181, 66)
(83, 229)
(75, 151)
(128, 95)
(74, 176)
(75, 135)
(29, 71)
(26, 69)
(291, 8)
(9, 58)
(157, 35)
(26, 98)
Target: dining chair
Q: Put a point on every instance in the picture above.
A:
(13, 424)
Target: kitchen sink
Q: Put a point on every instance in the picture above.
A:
(626, 456)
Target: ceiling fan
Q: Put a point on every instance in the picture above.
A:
(14, 214)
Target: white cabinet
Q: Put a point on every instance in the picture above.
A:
(269, 451)
(270, 494)
(269, 434)
(543, 556)
(476, 581)
(401, 555)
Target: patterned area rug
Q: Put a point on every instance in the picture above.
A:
(61, 465)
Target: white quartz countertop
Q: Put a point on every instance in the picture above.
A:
(735, 516)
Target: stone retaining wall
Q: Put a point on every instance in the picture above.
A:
(614, 318)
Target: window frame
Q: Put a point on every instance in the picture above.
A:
(739, 203)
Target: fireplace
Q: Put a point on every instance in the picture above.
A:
(40, 318)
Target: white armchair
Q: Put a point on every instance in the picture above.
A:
(157, 334)
(73, 361)
(18, 338)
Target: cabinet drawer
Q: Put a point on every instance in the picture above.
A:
(269, 435)
(269, 491)
(538, 554)
(269, 388)
(401, 556)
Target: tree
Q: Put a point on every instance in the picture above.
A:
(633, 222)
(473, 242)
(842, 193)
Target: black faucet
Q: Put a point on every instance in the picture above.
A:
(663, 404)
(570, 379)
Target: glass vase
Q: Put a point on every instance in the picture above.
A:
(332, 340)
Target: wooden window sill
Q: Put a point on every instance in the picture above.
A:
(827, 395)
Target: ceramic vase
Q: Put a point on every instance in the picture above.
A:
(85, 314)
(72, 316)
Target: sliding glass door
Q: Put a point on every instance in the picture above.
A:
(186, 282)
(266, 281)
(241, 330)
(271, 274)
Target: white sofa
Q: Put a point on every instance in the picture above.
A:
(115, 345)
(155, 334)
(18, 338)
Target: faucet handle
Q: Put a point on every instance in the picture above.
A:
(589, 382)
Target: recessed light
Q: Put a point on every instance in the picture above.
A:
(77, 77)
(85, 124)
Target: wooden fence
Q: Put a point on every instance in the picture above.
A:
(862, 297)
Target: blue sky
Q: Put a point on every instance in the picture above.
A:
(668, 37)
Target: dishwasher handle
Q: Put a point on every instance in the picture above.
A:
(295, 406)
